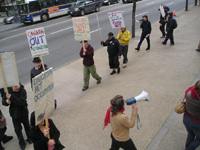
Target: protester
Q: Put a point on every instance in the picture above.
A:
(18, 109)
(37, 69)
(7, 12)
(191, 117)
(163, 20)
(145, 24)
(124, 38)
(39, 135)
(170, 29)
(198, 49)
(114, 52)
(87, 53)
(3, 137)
(120, 124)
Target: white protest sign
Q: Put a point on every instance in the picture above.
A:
(81, 28)
(116, 19)
(37, 42)
(162, 11)
(9, 69)
(43, 95)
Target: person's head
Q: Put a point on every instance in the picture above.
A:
(117, 103)
(170, 14)
(145, 17)
(37, 62)
(32, 120)
(197, 86)
(123, 29)
(110, 35)
(15, 88)
(85, 43)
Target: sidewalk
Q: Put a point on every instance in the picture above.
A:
(165, 72)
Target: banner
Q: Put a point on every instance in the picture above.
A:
(43, 95)
(116, 19)
(10, 69)
(37, 42)
(81, 28)
(162, 11)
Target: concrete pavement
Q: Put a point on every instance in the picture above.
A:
(165, 72)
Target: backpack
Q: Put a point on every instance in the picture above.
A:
(175, 24)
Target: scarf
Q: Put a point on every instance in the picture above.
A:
(107, 116)
(194, 94)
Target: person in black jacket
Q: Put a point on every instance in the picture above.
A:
(37, 69)
(18, 109)
(163, 21)
(170, 29)
(114, 52)
(146, 31)
(39, 135)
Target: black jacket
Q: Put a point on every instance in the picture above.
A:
(170, 24)
(35, 72)
(113, 47)
(146, 27)
(18, 107)
(40, 141)
(163, 19)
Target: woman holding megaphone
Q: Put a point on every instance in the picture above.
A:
(120, 124)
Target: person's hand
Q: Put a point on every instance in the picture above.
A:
(51, 142)
(46, 132)
(2, 119)
(8, 96)
(141, 21)
(101, 41)
(84, 50)
(8, 101)
(122, 39)
(120, 36)
(148, 34)
(119, 57)
(160, 24)
(135, 107)
(84, 53)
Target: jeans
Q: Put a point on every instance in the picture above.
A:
(127, 145)
(86, 72)
(193, 137)
(143, 36)
(17, 123)
(169, 36)
(124, 50)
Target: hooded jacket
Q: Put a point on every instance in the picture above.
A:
(125, 35)
(18, 107)
(170, 23)
(113, 47)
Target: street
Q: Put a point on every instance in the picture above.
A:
(60, 36)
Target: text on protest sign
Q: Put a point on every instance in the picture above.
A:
(116, 19)
(10, 69)
(81, 28)
(37, 42)
(43, 95)
(162, 11)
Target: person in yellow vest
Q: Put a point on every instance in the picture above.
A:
(124, 38)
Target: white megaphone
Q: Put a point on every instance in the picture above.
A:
(144, 96)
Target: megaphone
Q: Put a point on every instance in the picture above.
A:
(144, 96)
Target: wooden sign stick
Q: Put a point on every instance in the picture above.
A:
(42, 63)
(99, 27)
(3, 76)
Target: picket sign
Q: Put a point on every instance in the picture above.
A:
(3, 77)
(116, 19)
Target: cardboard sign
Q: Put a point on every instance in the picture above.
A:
(162, 11)
(9, 69)
(43, 95)
(37, 42)
(116, 19)
(81, 28)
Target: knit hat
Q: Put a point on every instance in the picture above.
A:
(110, 34)
(36, 60)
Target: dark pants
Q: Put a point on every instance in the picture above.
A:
(124, 50)
(3, 137)
(127, 145)
(17, 123)
(169, 36)
(193, 137)
(143, 36)
(162, 29)
(113, 62)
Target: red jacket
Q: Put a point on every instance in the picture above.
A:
(88, 58)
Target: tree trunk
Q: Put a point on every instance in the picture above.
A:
(186, 5)
(133, 18)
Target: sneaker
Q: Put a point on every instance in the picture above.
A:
(164, 43)
(147, 49)
(29, 141)
(84, 88)
(113, 72)
(98, 82)
(197, 49)
(124, 65)
(137, 49)
(172, 44)
(2, 148)
(7, 139)
(162, 37)
(23, 147)
(118, 70)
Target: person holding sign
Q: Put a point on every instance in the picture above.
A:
(114, 52)
(39, 135)
(87, 53)
(16, 99)
(145, 24)
(124, 38)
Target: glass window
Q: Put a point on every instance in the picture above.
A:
(34, 6)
